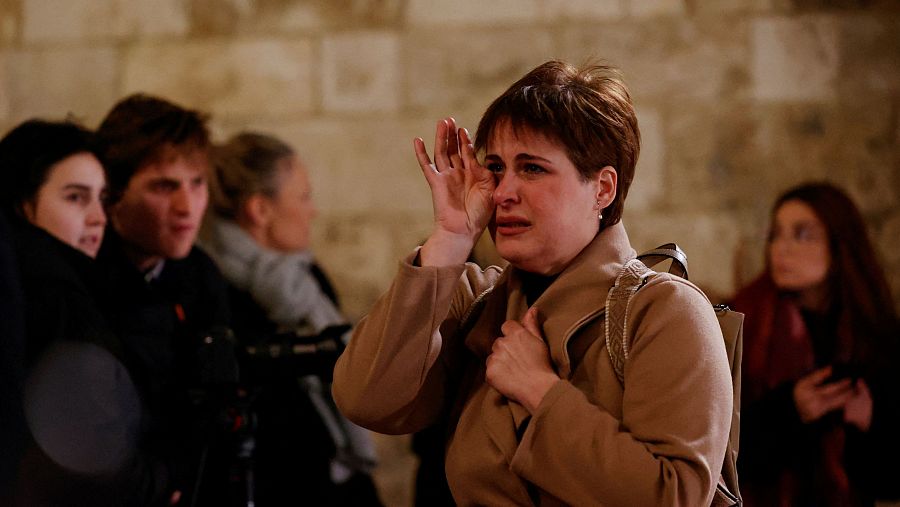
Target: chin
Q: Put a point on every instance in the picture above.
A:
(789, 284)
(179, 251)
(527, 263)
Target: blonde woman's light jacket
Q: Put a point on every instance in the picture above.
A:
(660, 440)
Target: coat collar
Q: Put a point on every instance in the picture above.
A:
(576, 297)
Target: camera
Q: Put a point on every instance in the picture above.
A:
(291, 355)
(231, 373)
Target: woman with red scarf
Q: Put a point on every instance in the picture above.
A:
(820, 405)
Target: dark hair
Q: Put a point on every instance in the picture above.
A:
(30, 150)
(586, 109)
(857, 281)
(142, 129)
(246, 164)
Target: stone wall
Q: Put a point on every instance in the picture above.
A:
(737, 100)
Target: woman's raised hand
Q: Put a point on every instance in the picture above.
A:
(461, 192)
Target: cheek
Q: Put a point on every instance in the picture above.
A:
(65, 224)
(821, 266)
(201, 199)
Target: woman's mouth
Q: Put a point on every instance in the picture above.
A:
(512, 226)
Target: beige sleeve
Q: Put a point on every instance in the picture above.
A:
(394, 375)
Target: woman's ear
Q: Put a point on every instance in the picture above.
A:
(606, 181)
(28, 210)
(257, 210)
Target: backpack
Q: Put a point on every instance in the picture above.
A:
(634, 275)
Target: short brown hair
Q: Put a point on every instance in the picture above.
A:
(586, 109)
(140, 129)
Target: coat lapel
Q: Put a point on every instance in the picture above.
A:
(579, 294)
(574, 299)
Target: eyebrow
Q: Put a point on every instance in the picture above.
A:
(163, 180)
(520, 157)
(77, 186)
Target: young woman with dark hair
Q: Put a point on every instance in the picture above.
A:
(81, 408)
(820, 409)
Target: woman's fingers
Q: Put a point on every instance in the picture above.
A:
(468, 158)
(835, 389)
(817, 377)
(466, 150)
(529, 321)
(422, 153)
(441, 133)
(428, 168)
(453, 143)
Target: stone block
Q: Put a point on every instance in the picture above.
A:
(243, 78)
(730, 6)
(397, 468)
(465, 70)
(885, 240)
(669, 59)
(472, 12)
(254, 17)
(10, 18)
(360, 252)
(5, 83)
(361, 13)
(582, 10)
(360, 72)
(52, 83)
(852, 144)
(649, 180)
(358, 165)
(649, 8)
(710, 155)
(710, 243)
(795, 59)
(870, 54)
(78, 20)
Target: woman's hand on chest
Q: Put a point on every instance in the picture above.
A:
(519, 365)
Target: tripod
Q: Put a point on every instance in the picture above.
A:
(239, 421)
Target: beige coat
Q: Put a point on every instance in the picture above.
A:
(658, 441)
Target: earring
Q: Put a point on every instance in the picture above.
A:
(600, 213)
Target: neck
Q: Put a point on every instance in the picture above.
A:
(253, 230)
(141, 260)
(815, 299)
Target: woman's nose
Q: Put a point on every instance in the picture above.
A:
(506, 191)
(779, 246)
(96, 216)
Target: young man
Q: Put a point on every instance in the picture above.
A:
(168, 298)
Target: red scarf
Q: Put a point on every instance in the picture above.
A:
(779, 349)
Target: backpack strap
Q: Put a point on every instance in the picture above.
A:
(633, 276)
(669, 251)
